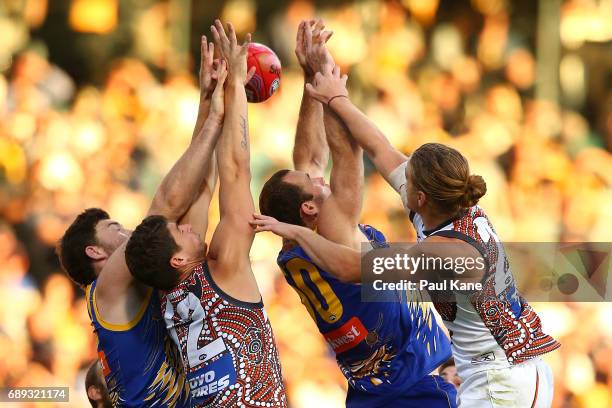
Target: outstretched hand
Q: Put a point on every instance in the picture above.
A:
(234, 54)
(207, 68)
(265, 223)
(328, 85)
(310, 47)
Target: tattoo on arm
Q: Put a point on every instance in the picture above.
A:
(243, 124)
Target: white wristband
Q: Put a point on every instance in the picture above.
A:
(397, 178)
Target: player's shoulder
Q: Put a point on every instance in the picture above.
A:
(291, 251)
(112, 288)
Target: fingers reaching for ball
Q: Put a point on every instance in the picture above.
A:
(207, 68)
(228, 47)
(244, 61)
(311, 49)
(325, 36)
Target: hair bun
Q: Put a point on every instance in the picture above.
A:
(476, 188)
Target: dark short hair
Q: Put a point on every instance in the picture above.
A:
(282, 200)
(71, 247)
(148, 253)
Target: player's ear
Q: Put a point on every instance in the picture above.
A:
(93, 393)
(309, 207)
(95, 252)
(421, 198)
(177, 260)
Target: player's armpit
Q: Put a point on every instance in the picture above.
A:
(336, 225)
(228, 258)
(232, 239)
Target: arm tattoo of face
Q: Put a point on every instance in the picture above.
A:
(245, 132)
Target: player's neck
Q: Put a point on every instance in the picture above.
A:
(98, 266)
(310, 222)
(432, 220)
(187, 269)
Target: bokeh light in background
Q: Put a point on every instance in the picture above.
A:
(95, 107)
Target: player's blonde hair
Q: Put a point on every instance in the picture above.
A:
(443, 174)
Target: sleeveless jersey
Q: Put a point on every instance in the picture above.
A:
(382, 348)
(140, 363)
(227, 345)
(493, 327)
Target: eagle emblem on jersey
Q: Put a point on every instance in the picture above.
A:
(374, 366)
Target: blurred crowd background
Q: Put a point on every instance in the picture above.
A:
(99, 97)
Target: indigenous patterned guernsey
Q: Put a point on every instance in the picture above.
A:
(493, 327)
(227, 345)
(384, 349)
(140, 364)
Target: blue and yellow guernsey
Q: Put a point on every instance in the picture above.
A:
(382, 348)
(140, 363)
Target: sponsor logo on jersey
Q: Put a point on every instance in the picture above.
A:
(216, 375)
(347, 336)
(483, 358)
(103, 363)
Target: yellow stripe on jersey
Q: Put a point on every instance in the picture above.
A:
(88, 298)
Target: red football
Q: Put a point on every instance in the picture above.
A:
(266, 80)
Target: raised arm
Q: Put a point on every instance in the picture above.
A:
(339, 215)
(197, 213)
(332, 91)
(193, 174)
(310, 150)
(232, 240)
(207, 79)
(341, 212)
(189, 176)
